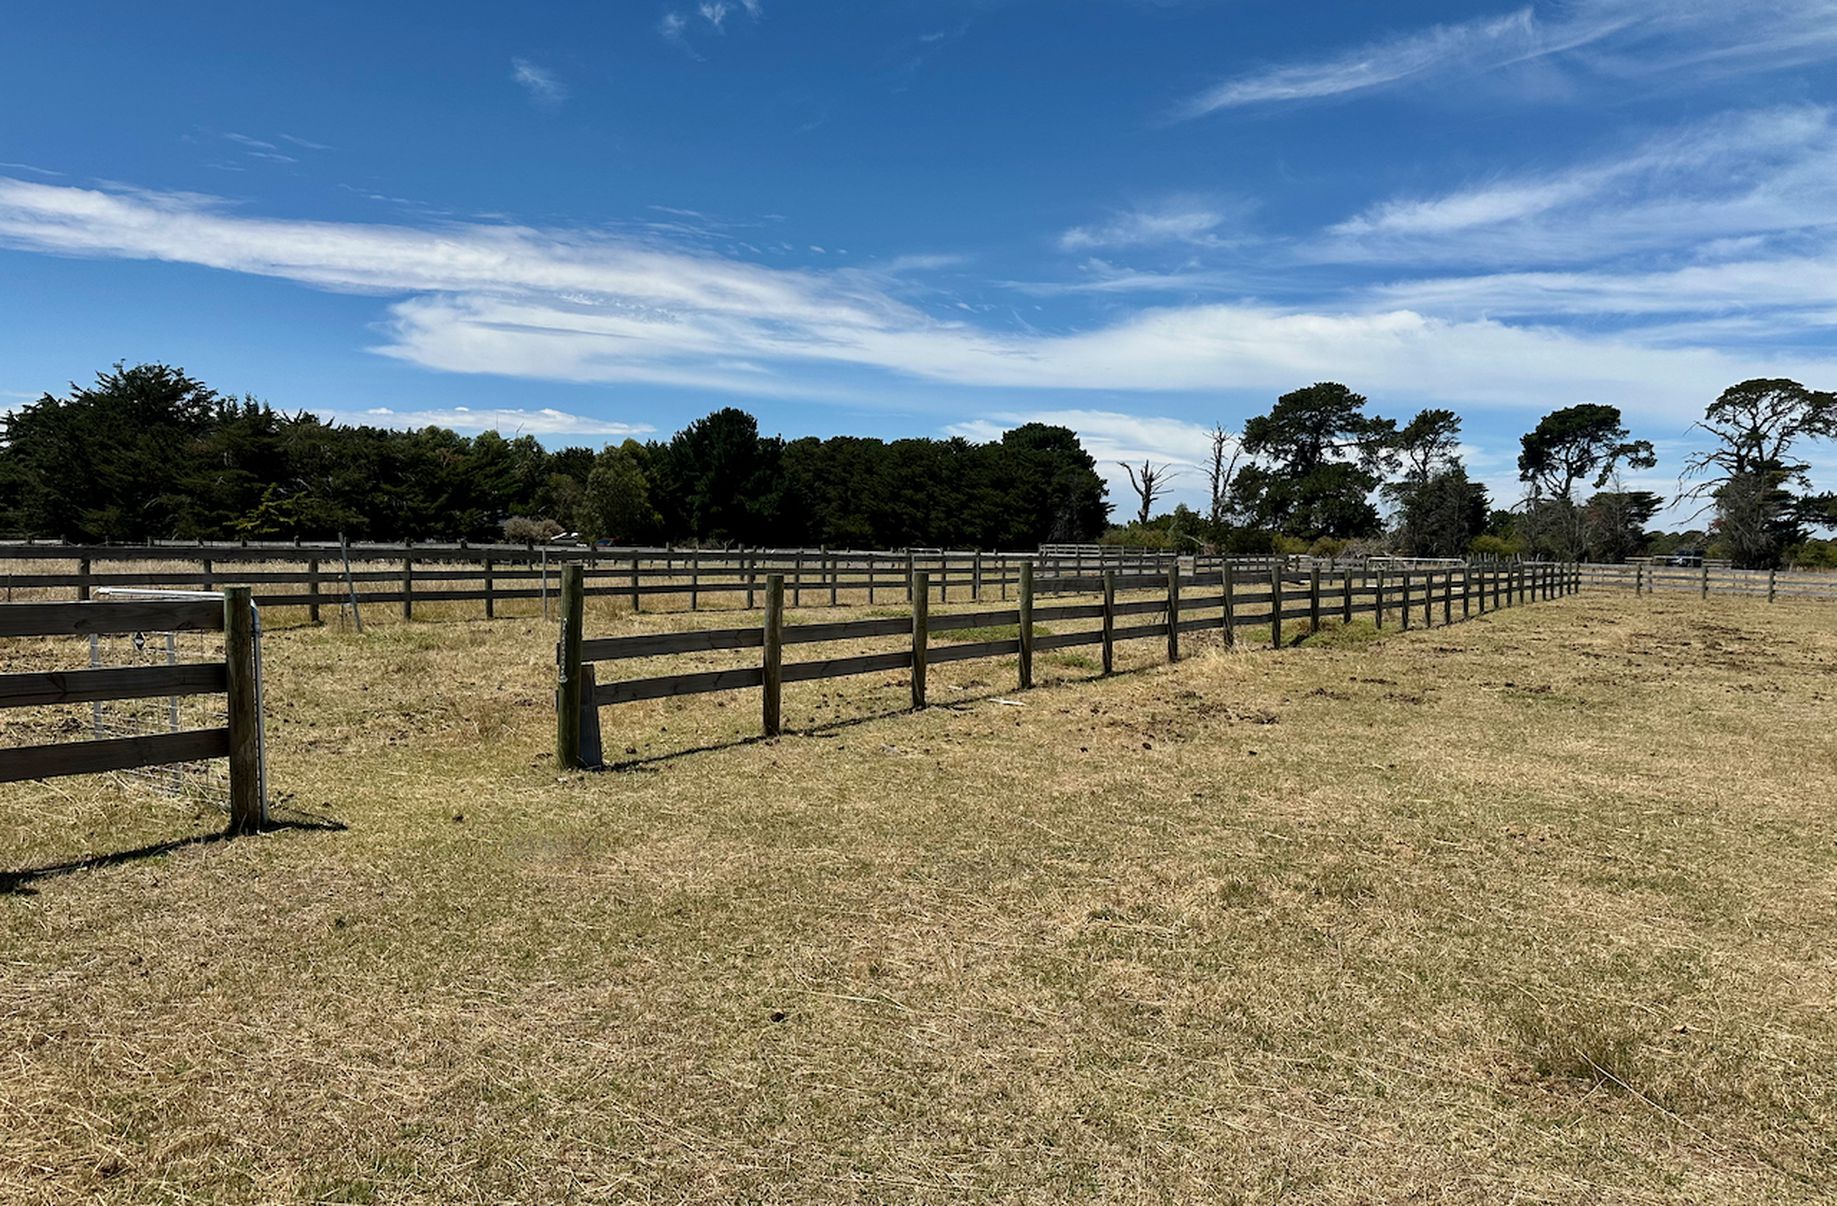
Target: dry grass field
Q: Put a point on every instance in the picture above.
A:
(1538, 907)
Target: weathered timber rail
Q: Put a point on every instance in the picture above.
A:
(1706, 580)
(234, 677)
(656, 578)
(1271, 598)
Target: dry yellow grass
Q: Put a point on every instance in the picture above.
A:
(1534, 907)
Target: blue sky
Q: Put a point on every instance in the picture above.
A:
(1133, 217)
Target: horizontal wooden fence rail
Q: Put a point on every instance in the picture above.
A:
(1704, 581)
(405, 575)
(1222, 601)
(234, 677)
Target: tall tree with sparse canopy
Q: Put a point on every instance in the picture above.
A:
(1439, 511)
(1317, 458)
(1576, 444)
(1750, 474)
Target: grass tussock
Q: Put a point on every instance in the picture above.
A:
(1535, 905)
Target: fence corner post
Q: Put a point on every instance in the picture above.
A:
(772, 669)
(1026, 625)
(247, 808)
(921, 613)
(568, 682)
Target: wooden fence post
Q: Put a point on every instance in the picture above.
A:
(1466, 592)
(1448, 597)
(1705, 580)
(247, 807)
(910, 570)
(408, 588)
(749, 569)
(1346, 597)
(1313, 599)
(772, 670)
(1026, 619)
(1377, 601)
(210, 579)
(491, 602)
(1173, 611)
(82, 579)
(1229, 611)
(872, 570)
(1405, 609)
(831, 557)
(921, 612)
(1109, 621)
(636, 606)
(312, 588)
(1770, 590)
(976, 578)
(1275, 605)
(695, 579)
(568, 676)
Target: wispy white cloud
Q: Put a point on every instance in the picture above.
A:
(510, 421)
(1175, 221)
(1615, 38)
(675, 24)
(542, 85)
(1746, 175)
(1470, 45)
(583, 306)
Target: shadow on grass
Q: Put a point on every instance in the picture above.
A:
(825, 728)
(19, 883)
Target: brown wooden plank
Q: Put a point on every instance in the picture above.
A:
(136, 615)
(975, 619)
(971, 651)
(672, 685)
(35, 689)
(1137, 631)
(612, 649)
(111, 754)
(842, 667)
(1066, 640)
(847, 630)
(1067, 611)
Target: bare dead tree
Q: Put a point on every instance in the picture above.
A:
(1150, 482)
(1221, 469)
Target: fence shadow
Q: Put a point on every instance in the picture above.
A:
(827, 727)
(19, 883)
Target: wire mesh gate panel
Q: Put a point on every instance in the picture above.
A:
(206, 780)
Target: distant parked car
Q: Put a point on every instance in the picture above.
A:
(1688, 558)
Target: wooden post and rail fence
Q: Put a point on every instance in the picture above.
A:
(235, 677)
(1265, 599)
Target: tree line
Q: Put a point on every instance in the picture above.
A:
(151, 453)
(1312, 474)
